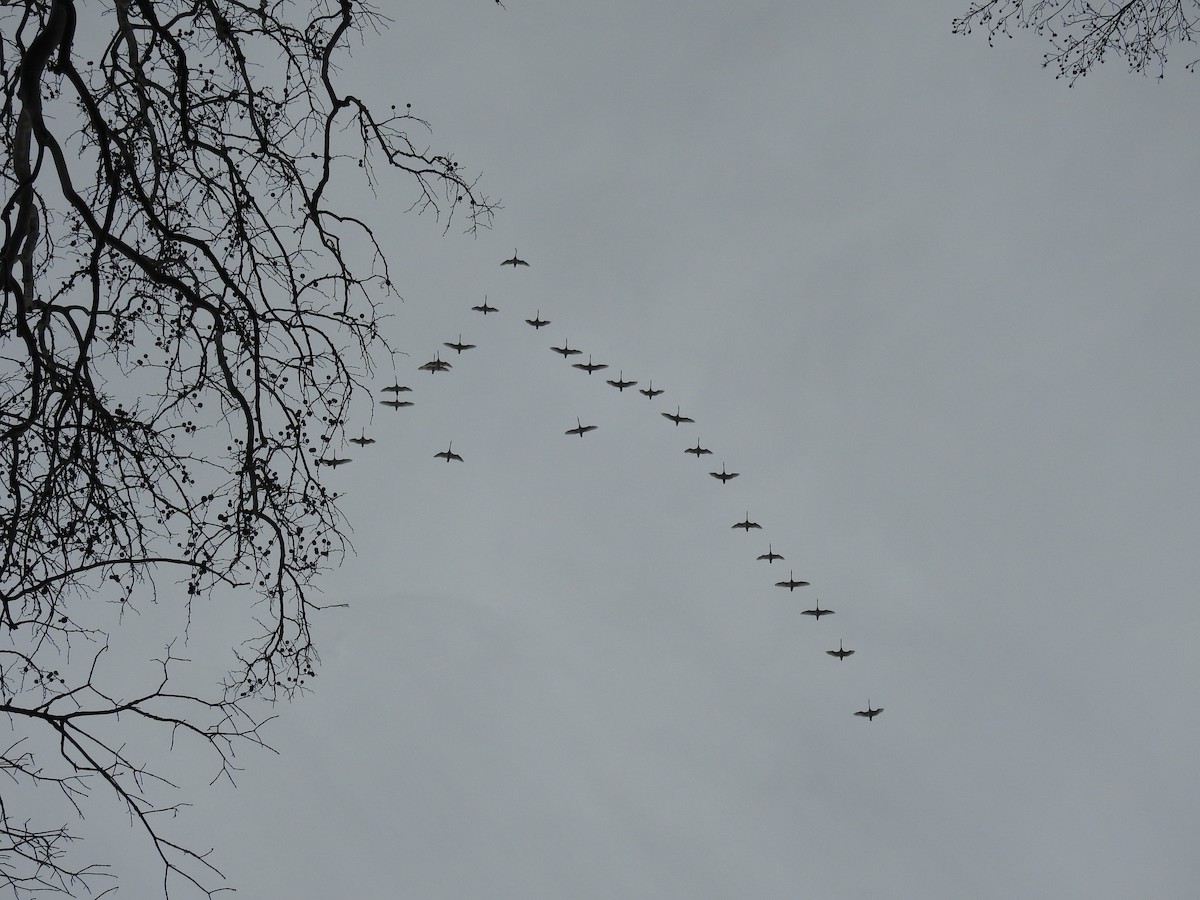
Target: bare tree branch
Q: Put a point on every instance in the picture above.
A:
(187, 312)
(1083, 33)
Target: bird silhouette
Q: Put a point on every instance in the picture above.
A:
(841, 654)
(459, 345)
(565, 350)
(746, 524)
(868, 712)
(436, 364)
(817, 612)
(791, 584)
(590, 366)
(515, 261)
(620, 384)
(448, 454)
(676, 417)
(580, 428)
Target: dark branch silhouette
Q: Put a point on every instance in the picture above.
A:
(1084, 33)
(187, 314)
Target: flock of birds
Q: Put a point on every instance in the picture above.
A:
(437, 364)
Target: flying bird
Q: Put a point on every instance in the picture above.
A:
(791, 584)
(770, 556)
(537, 321)
(817, 612)
(590, 366)
(364, 440)
(448, 455)
(333, 463)
(459, 346)
(565, 350)
(582, 429)
(698, 450)
(485, 309)
(841, 654)
(723, 475)
(396, 389)
(396, 404)
(515, 261)
(746, 524)
(620, 384)
(650, 391)
(676, 417)
(868, 712)
(436, 365)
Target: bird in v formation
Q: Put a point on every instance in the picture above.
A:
(868, 712)
(537, 322)
(723, 476)
(841, 653)
(459, 345)
(620, 383)
(449, 454)
(791, 584)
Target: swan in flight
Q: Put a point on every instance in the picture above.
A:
(723, 476)
(747, 524)
(868, 712)
(580, 428)
(817, 612)
(791, 584)
(459, 345)
(620, 384)
(676, 417)
(448, 454)
(840, 653)
(436, 365)
(590, 366)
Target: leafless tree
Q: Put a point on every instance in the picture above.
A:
(1084, 33)
(188, 309)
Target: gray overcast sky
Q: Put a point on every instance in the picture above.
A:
(938, 310)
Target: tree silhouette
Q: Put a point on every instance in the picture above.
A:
(1084, 33)
(188, 308)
